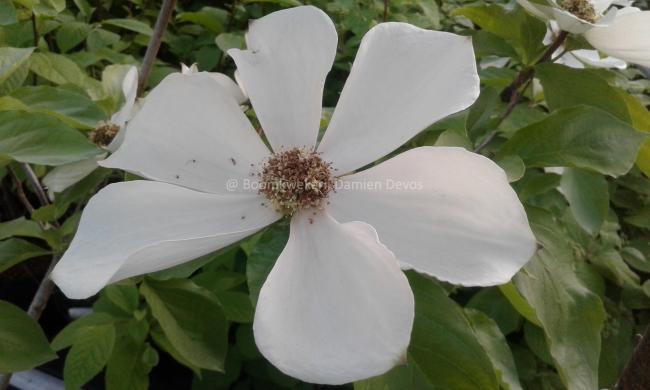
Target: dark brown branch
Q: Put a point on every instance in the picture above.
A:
(514, 91)
(636, 375)
(154, 43)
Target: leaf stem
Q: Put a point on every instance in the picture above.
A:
(154, 43)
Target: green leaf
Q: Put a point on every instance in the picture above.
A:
(13, 67)
(443, 344)
(7, 13)
(22, 342)
(211, 18)
(71, 34)
(14, 251)
(20, 227)
(588, 198)
(513, 166)
(41, 139)
(88, 355)
(192, 320)
(263, 255)
(127, 367)
(571, 315)
(227, 41)
(68, 335)
(567, 87)
(493, 303)
(73, 108)
(579, 137)
(131, 25)
(56, 68)
(618, 343)
(497, 349)
(611, 266)
(236, 306)
(163, 342)
(523, 32)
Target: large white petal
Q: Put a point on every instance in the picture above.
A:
(225, 81)
(403, 79)
(190, 132)
(135, 227)
(454, 217)
(336, 307)
(283, 72)
(63, 176)
(627, 37)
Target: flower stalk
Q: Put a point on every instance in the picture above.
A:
(154, 43)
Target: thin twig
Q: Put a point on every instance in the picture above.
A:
(35, 183)
(20, 191)
(154, 43)
(636, 375)
(514, 90)
(385, 10)
(231, 24)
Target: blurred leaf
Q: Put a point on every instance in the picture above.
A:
(75, 109)
(20, 227)
(131, 25)
(588, 198)
(192, 320)
(496, 346)
(41, 139)
(227, 41)
(236, 306)
(13, 67)
(88, 355)
(579, 137)
(211, 18)
(71, 34)
(163, 342)
(22, 341)
(14, 251)
(513, 166)
(7, 13)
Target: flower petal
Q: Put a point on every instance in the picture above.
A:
(283, 72)
(592, 58)
(63, 176)
(135, 227)
(225, 81)
(130, 91)
(444, 212)
(403, 79)
(627, 37)
(336, 307)
(190, 132)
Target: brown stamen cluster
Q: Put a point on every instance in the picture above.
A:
(580, 8)
(104, 134)
(296, 179)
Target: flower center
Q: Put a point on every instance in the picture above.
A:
(580, 8)
(104, 134)
(296, 179)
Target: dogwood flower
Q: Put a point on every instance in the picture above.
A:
(621, 33)
(579, 58)
(336, 306)
(107, 135)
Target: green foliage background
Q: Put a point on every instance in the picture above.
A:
(567, 320)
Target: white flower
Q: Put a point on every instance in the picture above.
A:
(580, 57)
(109, 135)
(336, 307)
(621, 33)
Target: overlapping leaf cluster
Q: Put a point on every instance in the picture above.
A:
(567, 320)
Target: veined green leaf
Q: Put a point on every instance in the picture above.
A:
(14, 251)
(88, 355)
